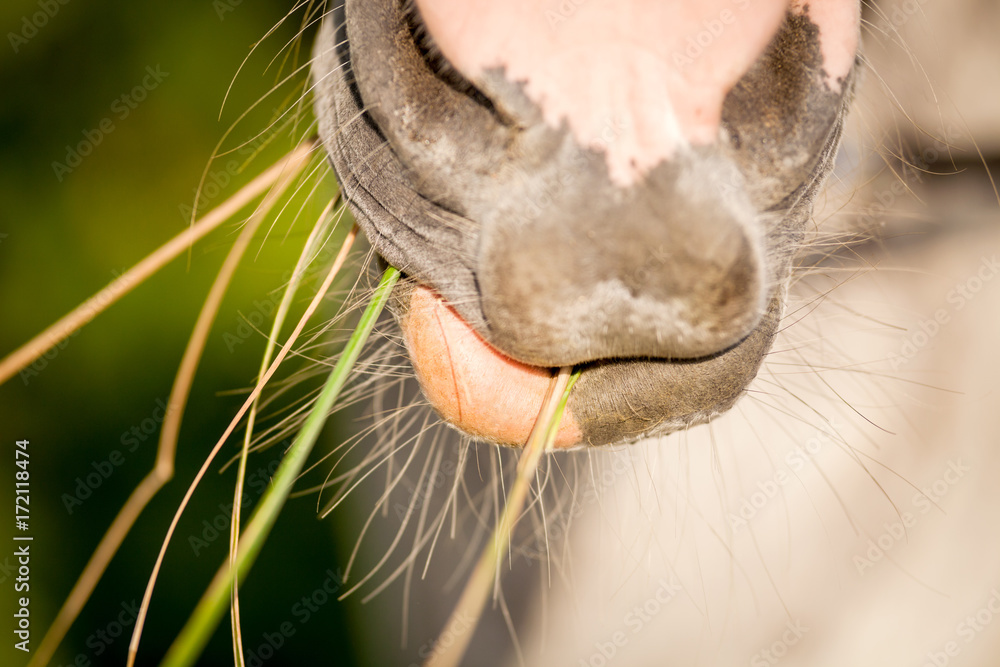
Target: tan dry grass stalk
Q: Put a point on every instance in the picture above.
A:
(284, 172)
(485, 577)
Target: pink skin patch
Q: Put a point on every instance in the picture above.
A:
(651, 73)
(471, 384)
(839, 24)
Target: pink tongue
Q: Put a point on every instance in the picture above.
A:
(471, 385)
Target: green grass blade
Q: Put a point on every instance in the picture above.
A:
(196, 632)
(316, 237)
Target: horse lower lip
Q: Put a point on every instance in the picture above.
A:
(471, 384)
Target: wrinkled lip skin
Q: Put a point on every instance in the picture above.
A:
(492, 397)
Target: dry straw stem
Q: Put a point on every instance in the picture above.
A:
(196, 632)
(313, 305)
(463, 620)
(312, 246)
(286, 170)
(122, 285)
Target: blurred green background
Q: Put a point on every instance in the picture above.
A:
(64, 234)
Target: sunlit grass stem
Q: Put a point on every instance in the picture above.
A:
(462, 623)
(167, 444)
(197, 631)
(313, 243)
(126, 282)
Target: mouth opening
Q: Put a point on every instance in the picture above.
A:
(471, 384)
(477, 388)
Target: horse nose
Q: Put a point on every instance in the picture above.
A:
(671, 268)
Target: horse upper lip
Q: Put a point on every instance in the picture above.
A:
(491, 396)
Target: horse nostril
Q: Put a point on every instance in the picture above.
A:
(673, 269)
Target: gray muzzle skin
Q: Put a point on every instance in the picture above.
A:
(670, 291)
